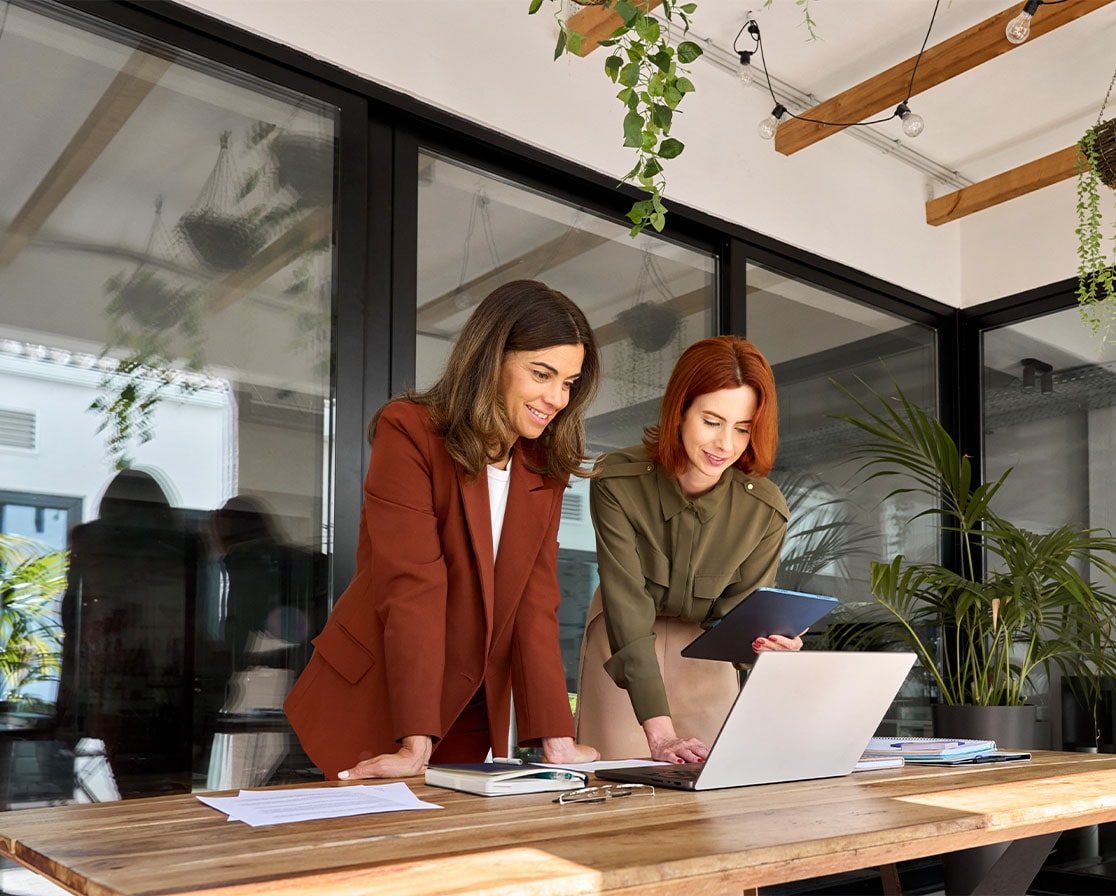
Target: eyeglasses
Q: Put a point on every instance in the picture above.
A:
(605, 792)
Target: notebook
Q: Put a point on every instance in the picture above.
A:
(499, 779)
(800, 715)
(766, 611)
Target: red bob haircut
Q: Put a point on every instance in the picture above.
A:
(709, 365)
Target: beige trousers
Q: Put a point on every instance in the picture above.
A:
(700, 692)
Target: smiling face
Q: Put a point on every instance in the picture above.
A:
(715, 432)
(536, 385)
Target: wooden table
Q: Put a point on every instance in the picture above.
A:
(705, 843)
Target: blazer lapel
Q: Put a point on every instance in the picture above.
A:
(478, 517)
(525, 520)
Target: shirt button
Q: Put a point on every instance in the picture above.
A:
(749, 486)
(650, 468)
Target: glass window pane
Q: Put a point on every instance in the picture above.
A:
(165, 262)
(840, 523)
(646, 299)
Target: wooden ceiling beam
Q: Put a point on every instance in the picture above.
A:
(952, 57)
(1051, 169)
(120, 100)
(598, 22)
(529, 265)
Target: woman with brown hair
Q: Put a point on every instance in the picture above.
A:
(687, 526)
(453, 607)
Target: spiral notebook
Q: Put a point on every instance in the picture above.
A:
(800, 715)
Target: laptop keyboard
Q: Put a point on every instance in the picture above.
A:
(686, 771)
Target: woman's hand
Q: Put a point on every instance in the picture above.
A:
(565, 751)
(777, 642)
(409, 760)
(667, 746)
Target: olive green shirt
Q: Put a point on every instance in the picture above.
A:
(660, 554)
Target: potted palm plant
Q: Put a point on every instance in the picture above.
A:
(32, 579)
(1017, 605)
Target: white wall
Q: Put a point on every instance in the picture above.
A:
(488, 61)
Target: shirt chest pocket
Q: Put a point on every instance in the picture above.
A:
(708, 587)
(655, 567)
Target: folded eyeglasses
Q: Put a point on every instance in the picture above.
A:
(604, 792)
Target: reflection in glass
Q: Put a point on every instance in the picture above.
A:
(646, 299)
(165, 262)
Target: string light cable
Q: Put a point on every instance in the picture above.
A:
(913, 123)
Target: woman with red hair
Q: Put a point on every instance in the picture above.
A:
(687, 526)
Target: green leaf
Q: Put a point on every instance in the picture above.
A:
(651, 168)
(684, 85)
(658, 221)
(647, 27)
(628, 13)
(688, 8)
(688, 51)
(536, 5)
(671, 148)
(629, 75)
(633, 129)
(663, 59)
(612, 66)
(661, 116)
(672, 97)
(560, 47)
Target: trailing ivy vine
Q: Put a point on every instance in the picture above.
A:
(652, 78)
(1096, 255)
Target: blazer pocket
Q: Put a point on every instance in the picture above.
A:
(344, 653)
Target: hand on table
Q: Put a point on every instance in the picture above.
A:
(667, 746)
(565, 751)
(409, 760)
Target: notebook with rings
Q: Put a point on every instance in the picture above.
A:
(800, 715)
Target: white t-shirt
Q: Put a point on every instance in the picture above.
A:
(498, 501)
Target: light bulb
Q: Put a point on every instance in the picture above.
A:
(912, 121)
(770, 125)
(745, 72)
(1019, 28)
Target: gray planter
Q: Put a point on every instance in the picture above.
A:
(1012, 728)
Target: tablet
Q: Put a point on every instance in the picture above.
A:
(766, 611)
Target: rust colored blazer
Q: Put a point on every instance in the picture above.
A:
(428, 617)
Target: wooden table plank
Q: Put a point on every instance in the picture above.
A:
(700, 843)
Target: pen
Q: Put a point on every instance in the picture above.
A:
(507, 760)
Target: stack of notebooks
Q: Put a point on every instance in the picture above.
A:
(936, 751)
(503, 779)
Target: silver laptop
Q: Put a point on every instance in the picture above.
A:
(800, 715)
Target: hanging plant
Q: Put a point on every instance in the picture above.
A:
(653, 82)
(1096, 254)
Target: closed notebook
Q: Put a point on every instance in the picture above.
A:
(928, 749)
(500, 779)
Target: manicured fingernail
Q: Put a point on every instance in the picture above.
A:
(342, 775)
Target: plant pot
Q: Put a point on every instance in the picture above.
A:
(1105, 149)
(223, 242)
(649, 326)
(304, 164)
(1012, 728)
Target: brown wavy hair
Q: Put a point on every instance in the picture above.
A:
(466, 403)
(709, 365)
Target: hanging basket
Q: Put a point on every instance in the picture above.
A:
(304, 164)
(1105, 151)
(223, 242)
(150, 301)
(649, 326)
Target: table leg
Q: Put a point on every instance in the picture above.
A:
(889, 879)
(1016, 868)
